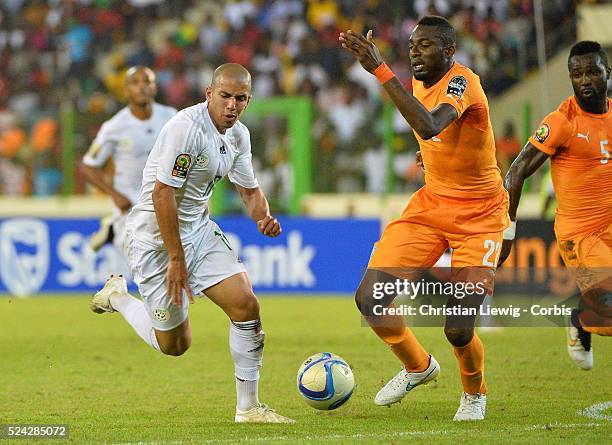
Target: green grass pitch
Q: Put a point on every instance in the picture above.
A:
(60, 363)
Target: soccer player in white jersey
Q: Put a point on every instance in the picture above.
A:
(175, 251)
(127, 138)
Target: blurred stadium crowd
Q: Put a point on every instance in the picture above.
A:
(60, 53)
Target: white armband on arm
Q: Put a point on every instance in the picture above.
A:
(510, 232)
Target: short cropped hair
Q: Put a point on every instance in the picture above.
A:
(447, 32)
(588, 47)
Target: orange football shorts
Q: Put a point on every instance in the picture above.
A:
(431, 223)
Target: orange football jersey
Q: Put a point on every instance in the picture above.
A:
(580, 149)
(460, 161)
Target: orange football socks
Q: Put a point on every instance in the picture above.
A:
(392, 330)
(471, 366)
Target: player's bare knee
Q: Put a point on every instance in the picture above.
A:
(360, 297)
(177, 347)
(246, 308)
(459, 337)
(175, 342)
(364, 296)
(364, 299)
(251, 307)
(375, 290)
(174, 351)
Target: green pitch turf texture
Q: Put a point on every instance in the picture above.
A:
(60, 363)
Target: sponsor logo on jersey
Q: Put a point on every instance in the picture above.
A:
(457, 86)
(202, 160)
(542, 133)
(181, 165)
(583, 136)
(24, 249)
(161, 314)
(222, 150)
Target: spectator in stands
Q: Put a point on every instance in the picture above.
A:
(63, 52)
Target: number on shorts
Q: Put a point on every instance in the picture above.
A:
(491, 247)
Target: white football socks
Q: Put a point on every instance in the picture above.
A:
(246, 346)
(135, 314)
(246, 394)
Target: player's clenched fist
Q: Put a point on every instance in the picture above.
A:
(269, 226)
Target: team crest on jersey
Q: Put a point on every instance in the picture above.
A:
(457, 86)
(162, 315)
(202, 160)
(542, 133)
(181, 165)
(222, 150)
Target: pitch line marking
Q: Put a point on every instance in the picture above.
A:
(362, 436)
(597, 411)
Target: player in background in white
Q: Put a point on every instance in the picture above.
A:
(127, 138)
(175, 251)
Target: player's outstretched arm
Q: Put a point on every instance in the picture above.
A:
(427, 124)
(164, 203)
(97, 178)
(257, 206)
(525, 165)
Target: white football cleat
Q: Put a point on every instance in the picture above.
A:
(471, 407)
(260, 414)
(100, 302)
(579, 343)
(104, 235)
(404, 382)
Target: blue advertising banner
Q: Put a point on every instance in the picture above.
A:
(40, 255)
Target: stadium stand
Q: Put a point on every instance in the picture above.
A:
(56, 52)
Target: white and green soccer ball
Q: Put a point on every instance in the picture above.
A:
(325, 381)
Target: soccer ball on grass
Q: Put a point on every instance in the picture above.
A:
(325, 381)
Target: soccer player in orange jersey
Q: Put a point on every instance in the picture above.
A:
(463, 205)
(577, 137)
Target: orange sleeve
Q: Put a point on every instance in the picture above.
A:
(461, 92)
(552, 133)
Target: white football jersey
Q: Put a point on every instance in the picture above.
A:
(191, 155)
(128, 141)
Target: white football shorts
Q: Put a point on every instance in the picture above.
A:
(210, 259)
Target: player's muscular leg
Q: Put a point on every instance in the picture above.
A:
(372, 296)
(175, 341)
(246, 338)
(235, 296)
(472, 284)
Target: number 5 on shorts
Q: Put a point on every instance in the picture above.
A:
(491, 254)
